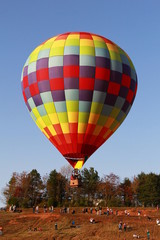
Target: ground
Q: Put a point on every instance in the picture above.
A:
(41, 226)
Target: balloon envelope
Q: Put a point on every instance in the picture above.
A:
(78, 87)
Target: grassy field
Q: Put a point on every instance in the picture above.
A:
(22, 225)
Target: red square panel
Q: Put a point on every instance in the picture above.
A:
(63, 36)
(25, 82)
(48, 132)
(54, 142)
(79, 148)
(113, 88)
(42, 74)
(135, 89)
(34, 90)
(86, 83)
(91, 140)
(57, 84)
(126, 80)
(67, 138)
(25, 98)
(71, 71)
(90, 128)
(130, 96)
(102, 73)
(80, 137)
(56, 138)
(74, 142)
(103, 131)
(69, 148)
(62, 139)
(108, 41)
(99, 141)
(73, 127)
(58, 129)
(84, 35)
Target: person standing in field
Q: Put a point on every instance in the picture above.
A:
(37, 209)
(124, 227)
(120, 226)
(148, 235)
(33, 209)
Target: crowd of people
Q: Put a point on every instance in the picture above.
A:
(13, 208)
(122, 226)
(45, 209)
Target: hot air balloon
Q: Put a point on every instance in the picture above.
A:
(79, 88)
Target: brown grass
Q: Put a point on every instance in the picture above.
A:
(16, 225)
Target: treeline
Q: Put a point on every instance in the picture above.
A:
(29, 189)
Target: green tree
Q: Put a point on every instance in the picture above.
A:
(148, 191)
(35, 190)
(90, 181)
(56, 188)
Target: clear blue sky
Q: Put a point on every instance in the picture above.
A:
(134, 26)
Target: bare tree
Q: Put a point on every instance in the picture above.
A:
(66, 171)
(111, 189)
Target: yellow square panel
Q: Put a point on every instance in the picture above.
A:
(72, 42)
(51, 39)
(99, 44)
(46, 120)
(82, 127)
(115, 56)
(72, 117)
(93, 118)
(53, 118)
(102, 120)
(35, 112)
(52, 130)
(86, 42)
(63, 117)
(85, 50)
(97, 38)
(72, 106)
(50, 108)
(47, 45)
(112, 47)
(109, 122)
(83, 117)
(59, 43)
(96, 107)
(40, 122)
(97, 130)
(34, 55)
(56, 51)
(65, 128)
(73, 36)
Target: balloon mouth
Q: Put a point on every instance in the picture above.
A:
(76, 161)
